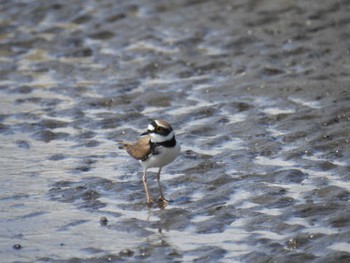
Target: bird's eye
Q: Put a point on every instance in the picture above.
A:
(159, 129)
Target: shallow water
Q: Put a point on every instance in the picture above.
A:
(257, 92)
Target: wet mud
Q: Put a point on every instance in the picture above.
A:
(258, 94)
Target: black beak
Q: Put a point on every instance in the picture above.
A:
(144, 133)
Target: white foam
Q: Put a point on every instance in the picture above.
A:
(230, 240)
(310, 104)
(238, 196)
(261, 160)
(340, 246)
(143, 45)
(276, 111)
(317, 158)
(271, 211)
(201, 218)
(276, 133)
(270, 235)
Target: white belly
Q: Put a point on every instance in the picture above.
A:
(164, 157)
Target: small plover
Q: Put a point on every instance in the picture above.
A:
(156, 148)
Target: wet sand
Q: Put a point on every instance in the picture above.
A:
(257, 92)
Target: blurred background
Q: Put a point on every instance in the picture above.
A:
(257, 92)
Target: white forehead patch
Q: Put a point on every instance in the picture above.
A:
(150, 127)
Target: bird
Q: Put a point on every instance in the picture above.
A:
(156, 148)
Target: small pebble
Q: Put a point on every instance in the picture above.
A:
(103, 221)
(126, 253)
(17, 246)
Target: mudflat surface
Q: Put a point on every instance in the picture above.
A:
(257, 91)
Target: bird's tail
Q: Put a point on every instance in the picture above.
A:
(122, 145)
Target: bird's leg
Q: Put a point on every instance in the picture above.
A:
(144, 180)
(161, 197)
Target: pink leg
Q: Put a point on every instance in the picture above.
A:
(161, 197)
(144, 180)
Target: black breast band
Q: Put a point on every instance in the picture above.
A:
(168, 144)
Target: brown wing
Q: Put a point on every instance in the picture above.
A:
(139, 150)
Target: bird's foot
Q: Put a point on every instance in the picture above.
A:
(149, 202)
(163, 200)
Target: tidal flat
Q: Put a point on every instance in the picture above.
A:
(258, 93)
